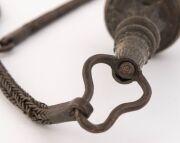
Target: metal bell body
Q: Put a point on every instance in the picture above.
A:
(142, 28)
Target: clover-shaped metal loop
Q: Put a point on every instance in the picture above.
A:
(124, 71)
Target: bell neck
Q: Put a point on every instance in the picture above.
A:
(137, 38)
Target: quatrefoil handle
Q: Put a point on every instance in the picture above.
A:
(124, 71)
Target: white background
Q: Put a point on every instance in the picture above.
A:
(49, 66)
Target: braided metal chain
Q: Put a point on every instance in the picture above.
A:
(35, 110)
(20, 98)
(124, 71)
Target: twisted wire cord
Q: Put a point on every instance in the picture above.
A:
(34, 109)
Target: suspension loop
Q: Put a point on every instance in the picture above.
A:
(124, 71)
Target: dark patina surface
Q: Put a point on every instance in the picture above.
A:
(140, 28)
(165, 14)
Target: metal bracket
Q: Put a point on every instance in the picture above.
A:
(64, 112)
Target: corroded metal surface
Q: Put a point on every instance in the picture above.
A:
(80, 108)
(136, 38)
(140, 29)
(165, 14)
